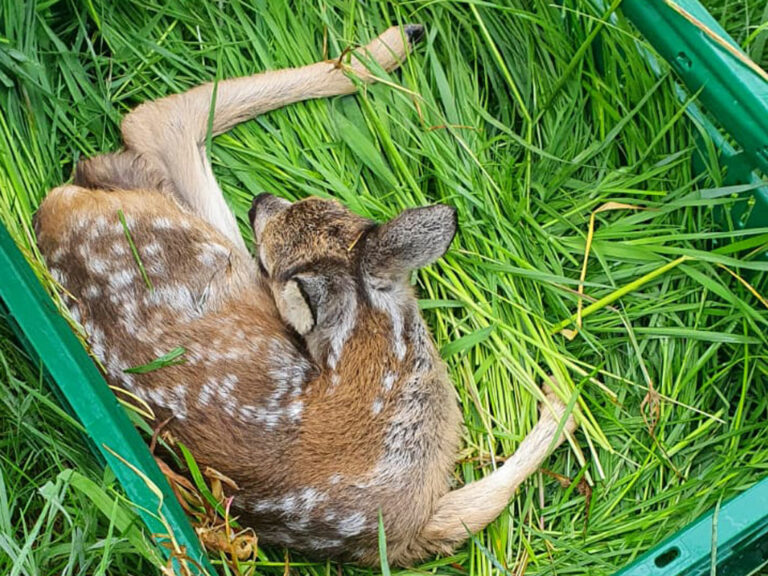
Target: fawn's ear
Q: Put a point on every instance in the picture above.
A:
(415, 238)
(298, 300)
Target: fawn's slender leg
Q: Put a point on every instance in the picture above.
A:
(171, 132)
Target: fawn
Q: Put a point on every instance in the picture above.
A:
(310, 378)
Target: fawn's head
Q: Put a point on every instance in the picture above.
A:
(321, 260)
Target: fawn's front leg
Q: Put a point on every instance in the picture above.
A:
(170, 133)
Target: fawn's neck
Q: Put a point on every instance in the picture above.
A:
(379, 331)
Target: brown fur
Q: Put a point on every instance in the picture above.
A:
(310, 378)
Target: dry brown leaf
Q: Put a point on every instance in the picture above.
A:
(582, 488)
(217, 481)
(650, 408)
(242, 546)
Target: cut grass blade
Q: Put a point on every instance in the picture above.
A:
(171, 358)
(134, 251)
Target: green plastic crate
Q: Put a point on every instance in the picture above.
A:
(738, 530)
(48, 337)
(726, 83)
(732, 539)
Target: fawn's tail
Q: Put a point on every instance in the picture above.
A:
(164, 139)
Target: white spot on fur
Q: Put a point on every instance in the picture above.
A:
(206, 392)
(157, 396)
(173, 399)
(92, 291)
(162, 223)
(299, 525)
(58, 275)
(97, 228)
(129, 316)
(129, 383)
(377, 406)
(121, 279)
(277, 536)
(74, 311)
(113, 364)
(248, 412)
(151, 249)
(270, 419)
(288, 373)
(402, 441)
(293, 504)
(57, 255)
(308, 499)
(322, 544)
(156, 267)
(263, 505)
(178, 401)
(229, 405)
(118, 249)
(96, 338)
(295, 410)
(288, 504)
(221, 391)
(288, 369)
(421, 344)
(388, 381)
(335, 380)
(228, 384)
(352, 525)
(176, 297)
(95, 264)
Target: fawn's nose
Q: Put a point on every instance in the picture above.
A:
(255, 205)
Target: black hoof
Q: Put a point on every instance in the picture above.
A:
(414, 33)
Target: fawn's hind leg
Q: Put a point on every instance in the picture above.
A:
(170, 133)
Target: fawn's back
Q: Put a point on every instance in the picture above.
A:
(316, 450)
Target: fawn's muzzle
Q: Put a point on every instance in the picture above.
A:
(263, 207)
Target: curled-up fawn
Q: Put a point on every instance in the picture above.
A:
(310, 377)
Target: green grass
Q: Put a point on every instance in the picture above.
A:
(526, 121)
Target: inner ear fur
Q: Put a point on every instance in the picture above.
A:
(295, 307)
(415, 238)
